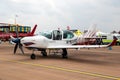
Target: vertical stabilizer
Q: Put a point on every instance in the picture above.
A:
(91, 32)
(33, 30)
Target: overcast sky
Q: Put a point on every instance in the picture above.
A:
(52, 14)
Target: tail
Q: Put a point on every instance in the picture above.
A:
(113, 42)
(33, 30)
(91, 32)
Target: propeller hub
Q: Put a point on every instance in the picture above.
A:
(17, 40)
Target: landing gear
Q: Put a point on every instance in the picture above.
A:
(33, 56)
(64, 54)
(44, 53)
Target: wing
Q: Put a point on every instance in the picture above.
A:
(81, 46)
(76, 46)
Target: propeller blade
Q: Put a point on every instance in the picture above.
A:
(15, 48)
(17, 34)
(21, 48)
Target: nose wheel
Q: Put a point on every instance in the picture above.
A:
(33, 56)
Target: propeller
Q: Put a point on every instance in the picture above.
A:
(18, 42)
(18, 45)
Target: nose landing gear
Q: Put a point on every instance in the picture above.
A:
(33, 56)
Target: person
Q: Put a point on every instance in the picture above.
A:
(58, 37)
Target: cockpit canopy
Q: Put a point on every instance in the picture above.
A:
(58, 34)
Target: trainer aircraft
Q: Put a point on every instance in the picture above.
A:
(53, 41)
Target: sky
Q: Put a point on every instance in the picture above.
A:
(54, 14)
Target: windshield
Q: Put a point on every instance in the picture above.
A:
(46, 34)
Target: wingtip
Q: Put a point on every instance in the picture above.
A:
(113, 42)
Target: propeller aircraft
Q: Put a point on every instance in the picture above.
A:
(54, 40)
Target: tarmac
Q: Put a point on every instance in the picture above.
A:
(83, 64)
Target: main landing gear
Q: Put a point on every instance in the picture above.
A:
(44, 53)
(64, 54)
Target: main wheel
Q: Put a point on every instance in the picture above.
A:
(33, 56)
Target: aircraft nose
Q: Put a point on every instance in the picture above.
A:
(26, 41)
(23, 40)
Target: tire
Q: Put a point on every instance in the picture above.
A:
(33, 56)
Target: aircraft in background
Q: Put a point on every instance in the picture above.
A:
(55, 40)
(89, 37)
(5, 36)
(108, 37)
(27, 34)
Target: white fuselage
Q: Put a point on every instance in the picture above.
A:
(41, 42)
